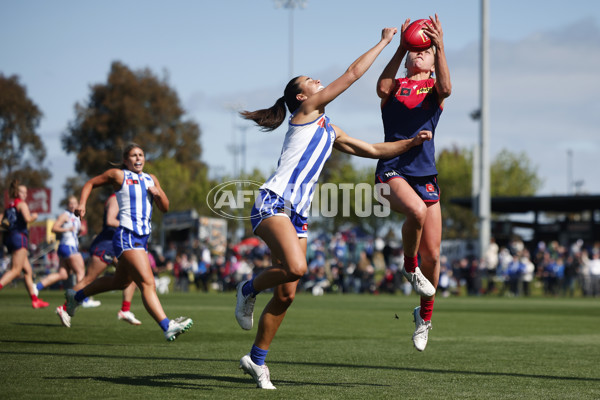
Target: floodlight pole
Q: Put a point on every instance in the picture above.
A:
(484, 206)
(291, 42)
(235, 147)
(243, 129)
(291, 5)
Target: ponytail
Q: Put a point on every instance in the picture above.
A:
(13, 189)
(268, 119)
(271, 118)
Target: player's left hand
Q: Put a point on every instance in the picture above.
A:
(434, 31)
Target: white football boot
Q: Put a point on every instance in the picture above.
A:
(260, 373)
(421, 330)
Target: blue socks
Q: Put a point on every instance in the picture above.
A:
(258, 355)
(248, 288)
(164, 324)
(39, 286)
(79, 296)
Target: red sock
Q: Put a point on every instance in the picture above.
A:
(411, 263)
(126, 306)
(426, 309)
(1, 286)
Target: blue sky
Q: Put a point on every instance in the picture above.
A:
(222, 54)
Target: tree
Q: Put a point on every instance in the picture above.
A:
(455, 171)
(22, 152)
(133, 106)
(353, 197)
(511, 175)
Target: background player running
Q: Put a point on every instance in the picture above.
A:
(16, 240)
(68, 227)
(136, 192)
(101, 255)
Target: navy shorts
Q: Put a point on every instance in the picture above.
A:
(425, 186)
(103, 249)
(15, 241)
(125, 240)
(269, 204)
(65, 251)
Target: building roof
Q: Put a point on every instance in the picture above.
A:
(577, 203)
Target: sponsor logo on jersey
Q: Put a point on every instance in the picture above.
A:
(424, 90)
(132, 182)
(405, 91)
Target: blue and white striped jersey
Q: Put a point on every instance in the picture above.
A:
(71, 237)
(305, 149)
(135, 202)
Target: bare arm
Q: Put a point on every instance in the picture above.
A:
(57, 227)
(316, 103)
(161, 199)
(384, 150)
(387, 80)
(23, 208)
(112, 212)
(443, 86)
(112, 176)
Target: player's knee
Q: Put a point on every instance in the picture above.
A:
(286, 298)
(297, 270)
(420, 213)
(432, 258)
(144, 286)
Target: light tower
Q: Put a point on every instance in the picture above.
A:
(484, 198)
(291, 5)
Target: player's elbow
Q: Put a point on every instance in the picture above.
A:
(445, 90)
(374, 153)
(352, 75)
(385, 86)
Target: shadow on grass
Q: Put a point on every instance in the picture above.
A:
(61, 343)
(38, 324)
(38, 342)
(185, 381)
(309, 364)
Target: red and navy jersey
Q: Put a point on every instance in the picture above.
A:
(16, 219)
(108, 231)
(414, 107)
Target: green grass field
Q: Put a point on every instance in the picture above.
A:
(329, 347)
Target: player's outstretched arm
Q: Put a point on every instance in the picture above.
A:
(383, 150)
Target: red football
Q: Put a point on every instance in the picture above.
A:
(414, 38)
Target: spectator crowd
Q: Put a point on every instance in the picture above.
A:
(348, 262)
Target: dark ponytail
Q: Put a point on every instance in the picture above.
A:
(271, 118)
(13, 189)
(268, 119)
